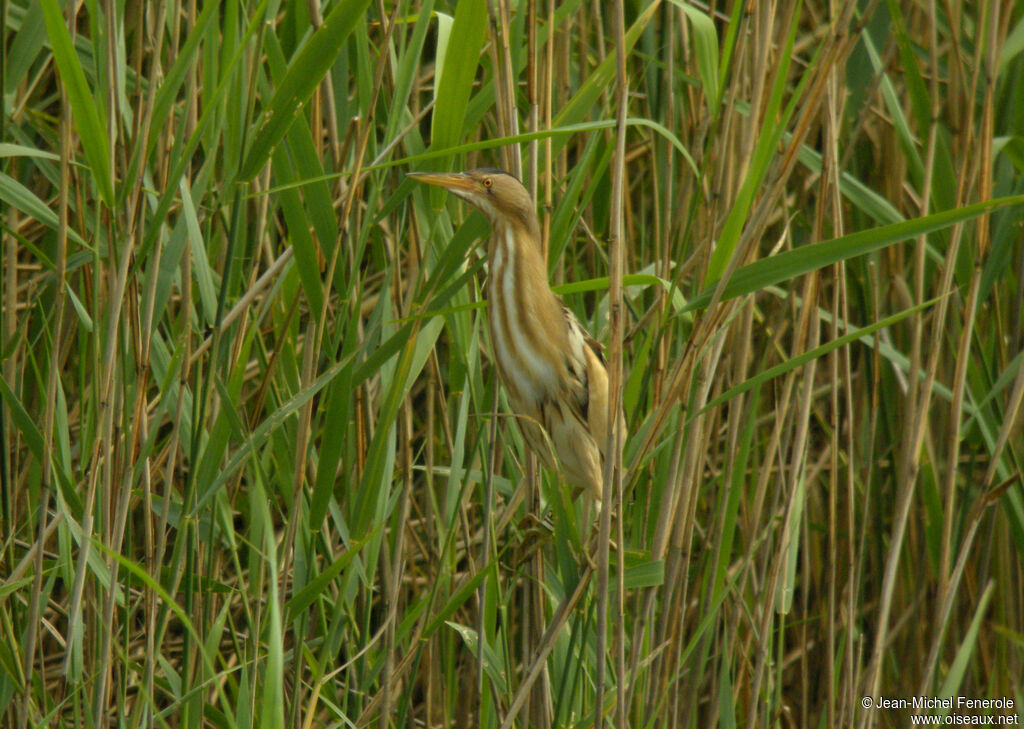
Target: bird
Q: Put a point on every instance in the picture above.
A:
(552, 369)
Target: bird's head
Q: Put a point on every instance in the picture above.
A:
(496, 193)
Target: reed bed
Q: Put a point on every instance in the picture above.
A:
(256, 470)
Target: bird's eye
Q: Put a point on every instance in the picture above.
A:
(488, 182)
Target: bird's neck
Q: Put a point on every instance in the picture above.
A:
(517, 250)
(528, 327)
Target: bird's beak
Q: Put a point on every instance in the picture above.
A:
(454, 181)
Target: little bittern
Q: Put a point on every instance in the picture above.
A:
(551, 367)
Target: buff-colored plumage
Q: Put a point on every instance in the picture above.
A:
(552, 369)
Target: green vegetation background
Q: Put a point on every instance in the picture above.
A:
(253, 471)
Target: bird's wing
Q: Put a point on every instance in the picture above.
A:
(592, 375)
(590, 380)
(576, 417)
(566, 415)
(576, 362)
